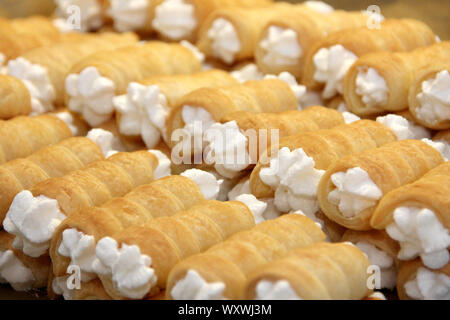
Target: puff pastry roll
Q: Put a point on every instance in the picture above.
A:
(171, 19)
(49, 202)
(17, 36)
(158, 245)
(19, 270)
(143, 110)
(251, 133)
(50, 162)
(23, 136)
(381, 251)
(322, 271)
(329, 59)
(205, 106)
(380, 81)
(161, 198)
(15, 99)
(221, 271)
(230, 34)
(352, 187)
(292, 174)
(417, 215)
(417, 282)
(43, 70)
(93, 82)
(285, 40)
(428, 99)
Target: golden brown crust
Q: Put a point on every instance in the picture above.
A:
(22, 136)
(231, 261)
(431, 192)
(398, 69)
(390, 166)
(326, 147)
(15, 99)
(321, 271)
(394, 35)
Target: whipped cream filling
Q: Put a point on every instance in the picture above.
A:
(206, 181)
(143, 110)
(227, 149)
(279, 290)
(248, 73)
(446, 150)
(403, 128)
(108, 143)
(91, 95)
(194, 287)
(428, 285)
(14, 272)
(80, 248)
(420, 233)
(33, 221)
(288, 78)
(164, 165)
(129, 15)
(225, 40)
(319, 6)
(442, 147)
(175, 19)
(295, 180)
(384, 261)
(332, 65)
(37, 81)
(242, 187)
(255, 206)
(196, 121)
(59, 286)
(198, 54)
(435, 99)
(355, 191)
(90, 12)
(350, 117)
(371, 87)
(129, 270)
(68, 119)
(281, 47)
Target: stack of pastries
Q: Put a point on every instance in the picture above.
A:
(193, 149)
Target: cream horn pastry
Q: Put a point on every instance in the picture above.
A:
(230, 34)
(200, 109)
(93, 82)
(292, 174)
(329, 59)
(50, 162)
(249, 134)
(380, 82)
(17, 36)
(322, 271)
(19, 270)
(35, 213)
(23, 136)
(417, 215)
(43, 70)
(161, 198)
(352, 187)
(92, 14)
(428, 99)
(222, 271)
(154, 249)
(143, 110)
(381, 251)
(181, 19)
(285, 40)
(91, 290)
(417, 282)
(15, 99)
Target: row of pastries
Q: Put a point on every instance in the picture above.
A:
(193, 149)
